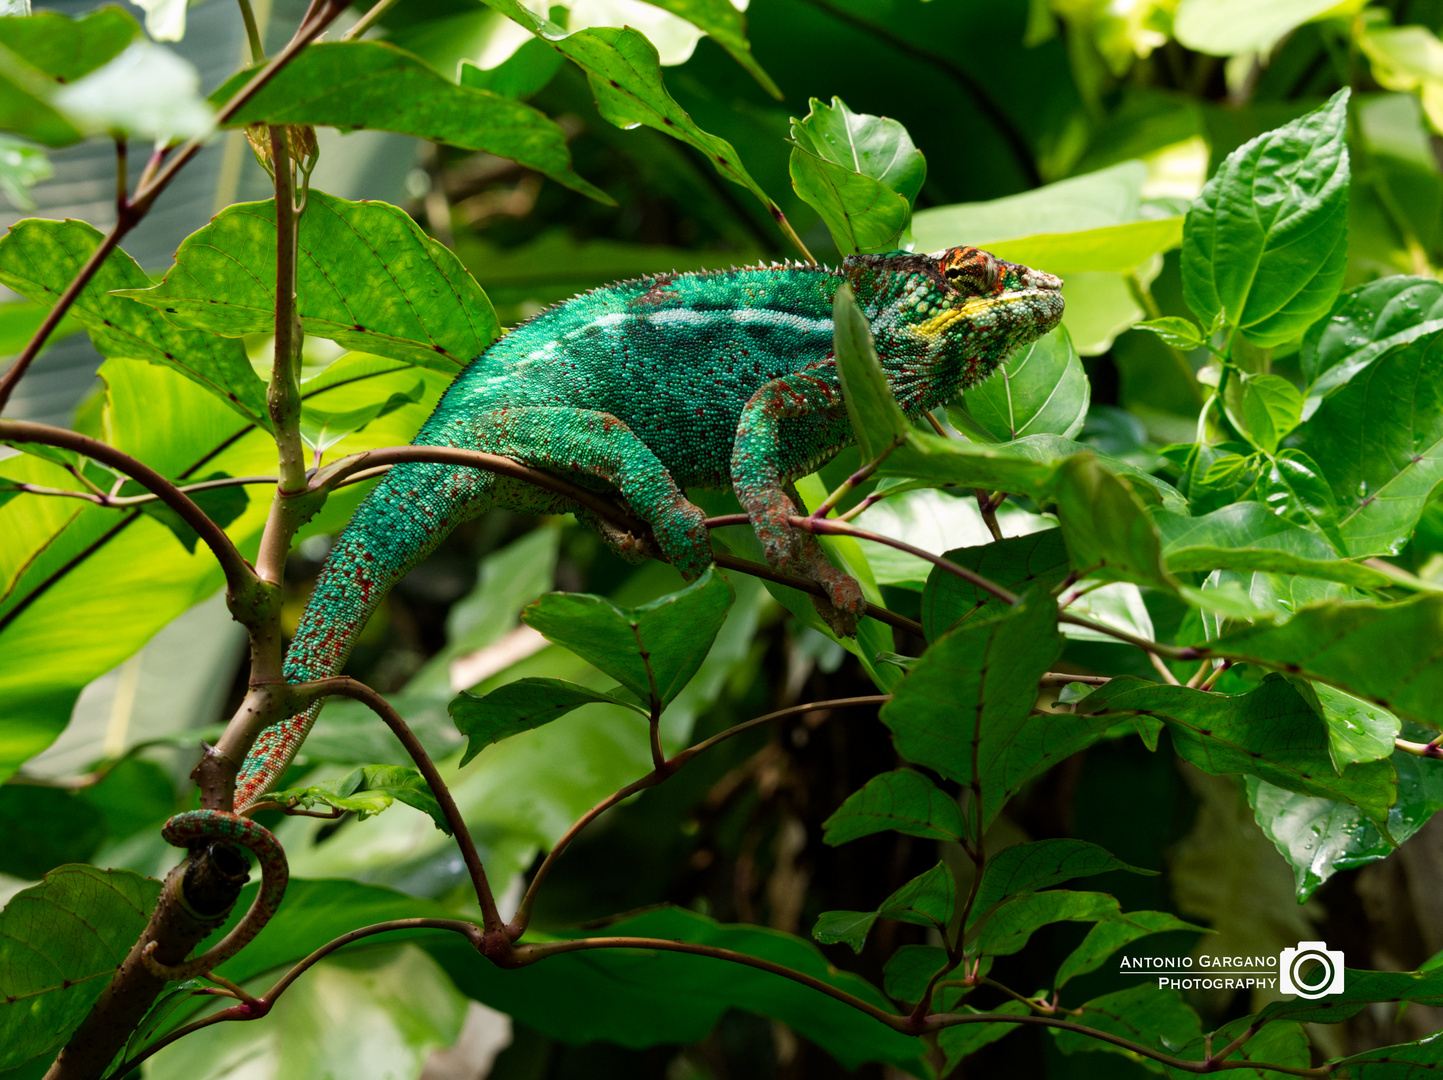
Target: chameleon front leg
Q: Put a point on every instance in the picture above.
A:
(570, 441)
(757, 479)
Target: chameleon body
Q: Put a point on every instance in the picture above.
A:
(646, 388)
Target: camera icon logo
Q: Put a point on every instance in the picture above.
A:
(1293, 962)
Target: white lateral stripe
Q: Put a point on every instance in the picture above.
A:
(616, 321)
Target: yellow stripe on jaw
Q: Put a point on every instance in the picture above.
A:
(968, 309)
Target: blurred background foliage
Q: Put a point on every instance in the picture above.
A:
(1122, 109)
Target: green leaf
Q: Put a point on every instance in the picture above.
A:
(1042, 390)
(1229, 27)
(38, 259)
(321, 429)
(1266, 241)
(1383, 653)
(927, 900)
(60, 942)
(1357, 731)
(902, 801)
(725, 24)
(1245, 536)
(876, 417)
(65, 48)
(1015, 562)
(862, 214)
(22, 166)
(1363, 325)
(1319, 837)
(523, 74)
(367, 791)
(1107, 530)
(871, 145)
(625, 76)
(19, 321)
(1107, 937)
(1271, 408)
(1007, 929)
(23, 106)
(379, 1011)
(45, 827)
(652, 650)
(860, 173)
(1269, 732)
(1360, 989)
(970, 464)
(520, 706)
(1379, 442)
(1113, 249)
(1153, 1017)
(1278, 1043)
(962, 1039)
(1178, 332)
(146, 92)
(1027, 868)
(966, 705)
(358, 261)
(908, 971)
(1294, 488)
(1406, 1061)
(223, 505)
(371, 84)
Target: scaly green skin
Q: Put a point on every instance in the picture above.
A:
(653, 386)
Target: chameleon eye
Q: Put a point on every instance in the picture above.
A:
(974, 272)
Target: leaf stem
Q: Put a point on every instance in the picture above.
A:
(253, 32)
(359, 691)
(368, 20)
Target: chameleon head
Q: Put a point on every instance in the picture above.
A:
(944, 320)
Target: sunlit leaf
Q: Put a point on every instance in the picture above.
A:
(1363, 325)
(66, 48)
(520, 706)
(367, 791)
(1271, 408)
(1041, 390)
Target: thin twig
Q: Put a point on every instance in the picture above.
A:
(1162, 669)
(988, 512)
(368, 20)
(238, 573)
(347, 687)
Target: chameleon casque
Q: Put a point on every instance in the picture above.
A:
(647, 388)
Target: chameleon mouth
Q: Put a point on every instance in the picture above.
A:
(1038, 307)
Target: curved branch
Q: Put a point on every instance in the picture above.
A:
(256, 1008)
(238, 573)
(347, 687)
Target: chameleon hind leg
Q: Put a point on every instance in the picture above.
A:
(758, 481)
(571, 441)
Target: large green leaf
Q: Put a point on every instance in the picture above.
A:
(961, 1040)
(1383, 653)
(625, 76)
(367, 278)
(38, 259)
(1245, 536)
(1008, 927)
(1112, 249)
(1406, 1061)
(1106, 527)
(376, 1012)
(521, 706)
(1154, 1017)
(1278, 1043)
(1271, 732)
(83, 587)
(652, 650)
(632, 997)
(370, 84)
(1364, 324)
(1379, 442)
(24, 109)
(860, 173)
(60, 941)
(1271, 408)
(1041, 390)
(1229, 27)
(964, 708)
(876, 417)
(902, 801)
(1266, 241)
(65, 48)
(1360, 989)
(1026, 868)
(1105, 938)
(1014, 562)
(1318, 837)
